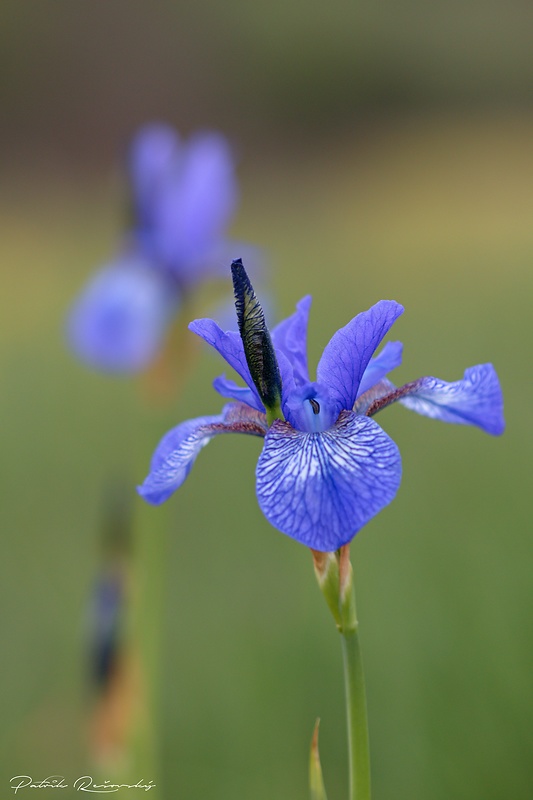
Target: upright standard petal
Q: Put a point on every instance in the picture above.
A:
(476, 400)
(321, 488)
(290, 338)
(348, 353)
(380, 365)
(119, 320)
(178, 449)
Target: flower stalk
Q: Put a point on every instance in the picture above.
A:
(341, 601)
(354, 682)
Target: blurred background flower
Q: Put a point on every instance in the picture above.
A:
(182, 197)
(384, 151)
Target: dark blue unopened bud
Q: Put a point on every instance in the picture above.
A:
(258, 347)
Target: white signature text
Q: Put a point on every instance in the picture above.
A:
(83, 784)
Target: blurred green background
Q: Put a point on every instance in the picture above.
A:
(385, 152)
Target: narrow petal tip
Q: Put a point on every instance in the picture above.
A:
(316, 780)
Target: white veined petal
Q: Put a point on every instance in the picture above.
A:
(321, 488)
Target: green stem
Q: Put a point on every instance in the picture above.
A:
(335, 578)
(358, 751)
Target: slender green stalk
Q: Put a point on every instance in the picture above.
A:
(358, 752)
(335, 578)
(354, 682)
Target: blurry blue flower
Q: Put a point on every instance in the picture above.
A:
(328, 468)
(183, 196)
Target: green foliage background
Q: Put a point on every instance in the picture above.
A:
(427, 206)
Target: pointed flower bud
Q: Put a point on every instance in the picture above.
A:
(327, 574)
(347, 594)
(316, 781)
(258, 347)
(334, 575)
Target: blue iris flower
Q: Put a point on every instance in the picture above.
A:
(327, 468)
(183, 195)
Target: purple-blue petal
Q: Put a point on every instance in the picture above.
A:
(308, 408)
(196, 202)
(379, 366)
(290, 338)
(475, 400)
(118, 321)
(348, 353)
(228, 388)
(179, 448)
(321, 488)
(229, 345)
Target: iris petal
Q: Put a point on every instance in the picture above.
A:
(179, 448)
(321, 488)
(228, 388)
(475, 400)
(379, 366)
(348, 353)
(290, 337)
(229, 345)
(379, 396)
(308, 408)
(118, 321)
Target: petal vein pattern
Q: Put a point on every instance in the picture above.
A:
(348, 353)
(475, 400)
(321, 488)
